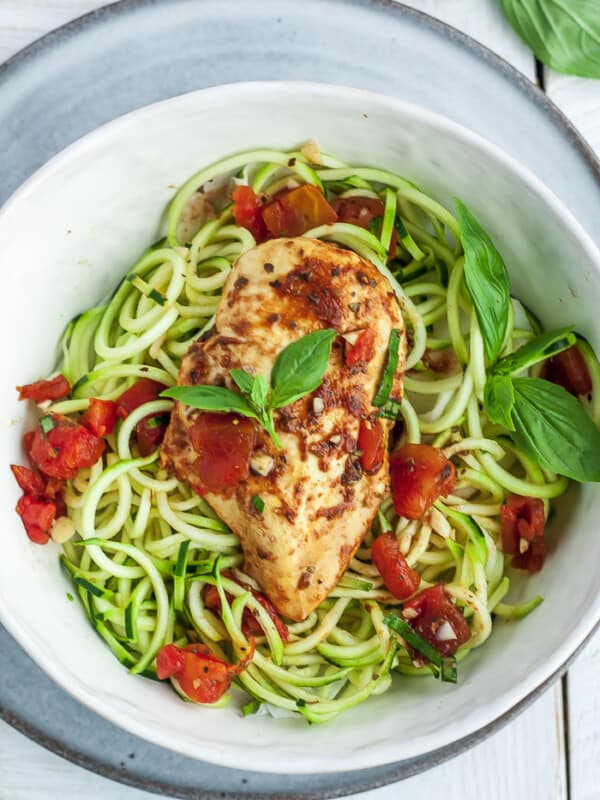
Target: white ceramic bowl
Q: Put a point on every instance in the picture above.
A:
(73, 229)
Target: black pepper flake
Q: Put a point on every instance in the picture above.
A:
(291, 162)
(354, 307)
(240, 282)
(276, 284)
(305, 276)
(373, 283)
(268, 267)
(335, 272)
(362, 278)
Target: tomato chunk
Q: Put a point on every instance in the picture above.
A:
(40, 391)
(247, 212)
(420, 474)
(294, 212)
(371, 443)
(435, 617)
(142, 391)
(360, 211)
(202, 676)
(65, 448)
(523, 524)
(250, 624)
(169, 661)
(224, 443)
(100, 417)
(37, 516)
(399, 578)
(150, 432)
(363, 350)
(29, 481)
(569, 370)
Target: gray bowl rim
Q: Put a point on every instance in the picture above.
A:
(410, 767)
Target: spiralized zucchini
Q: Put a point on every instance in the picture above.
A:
(155, 545)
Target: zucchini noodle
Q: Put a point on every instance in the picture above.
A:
(147, 546)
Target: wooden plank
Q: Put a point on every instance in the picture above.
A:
(520, 762)
(583, 693)
(579, 99)
(483, 20)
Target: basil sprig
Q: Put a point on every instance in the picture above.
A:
(548, 423)
(563, 34)
(486, 280)
(298, 370)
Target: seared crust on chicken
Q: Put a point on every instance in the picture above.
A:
(319, 503)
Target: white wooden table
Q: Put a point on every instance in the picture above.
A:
(550, 752)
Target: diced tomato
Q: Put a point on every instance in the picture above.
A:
(247, 212)
(64, 449)
(40, 391)
(250, 624)
(169, 661)
(29, 481)
(142, 391)
(363, 350)
(224, 443)
(28, 441)
(569, 370)
(294, 212)
(400, 579)
(360, 211)
(523, 520)
(420, 474)
(371, 443)
(427, 612)
(37, 516)
(100, 417)
(150, 432)
(202, 676)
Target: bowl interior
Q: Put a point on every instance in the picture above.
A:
(67, 237)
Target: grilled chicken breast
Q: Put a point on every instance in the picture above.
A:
(319, 503)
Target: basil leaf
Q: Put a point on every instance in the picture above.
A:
(300, 367)
(486, 279)
(553, 427)
(563, 34)
(538, 349)
(259, 392)
(243, 380)
(391, 365)
(211, 398)
(498, 399)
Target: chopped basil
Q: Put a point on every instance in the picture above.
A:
(258, 503)
(251, 707)
(391, 365)
(46, 424)
(443, 667)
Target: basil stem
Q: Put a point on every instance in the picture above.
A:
(391, 365)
